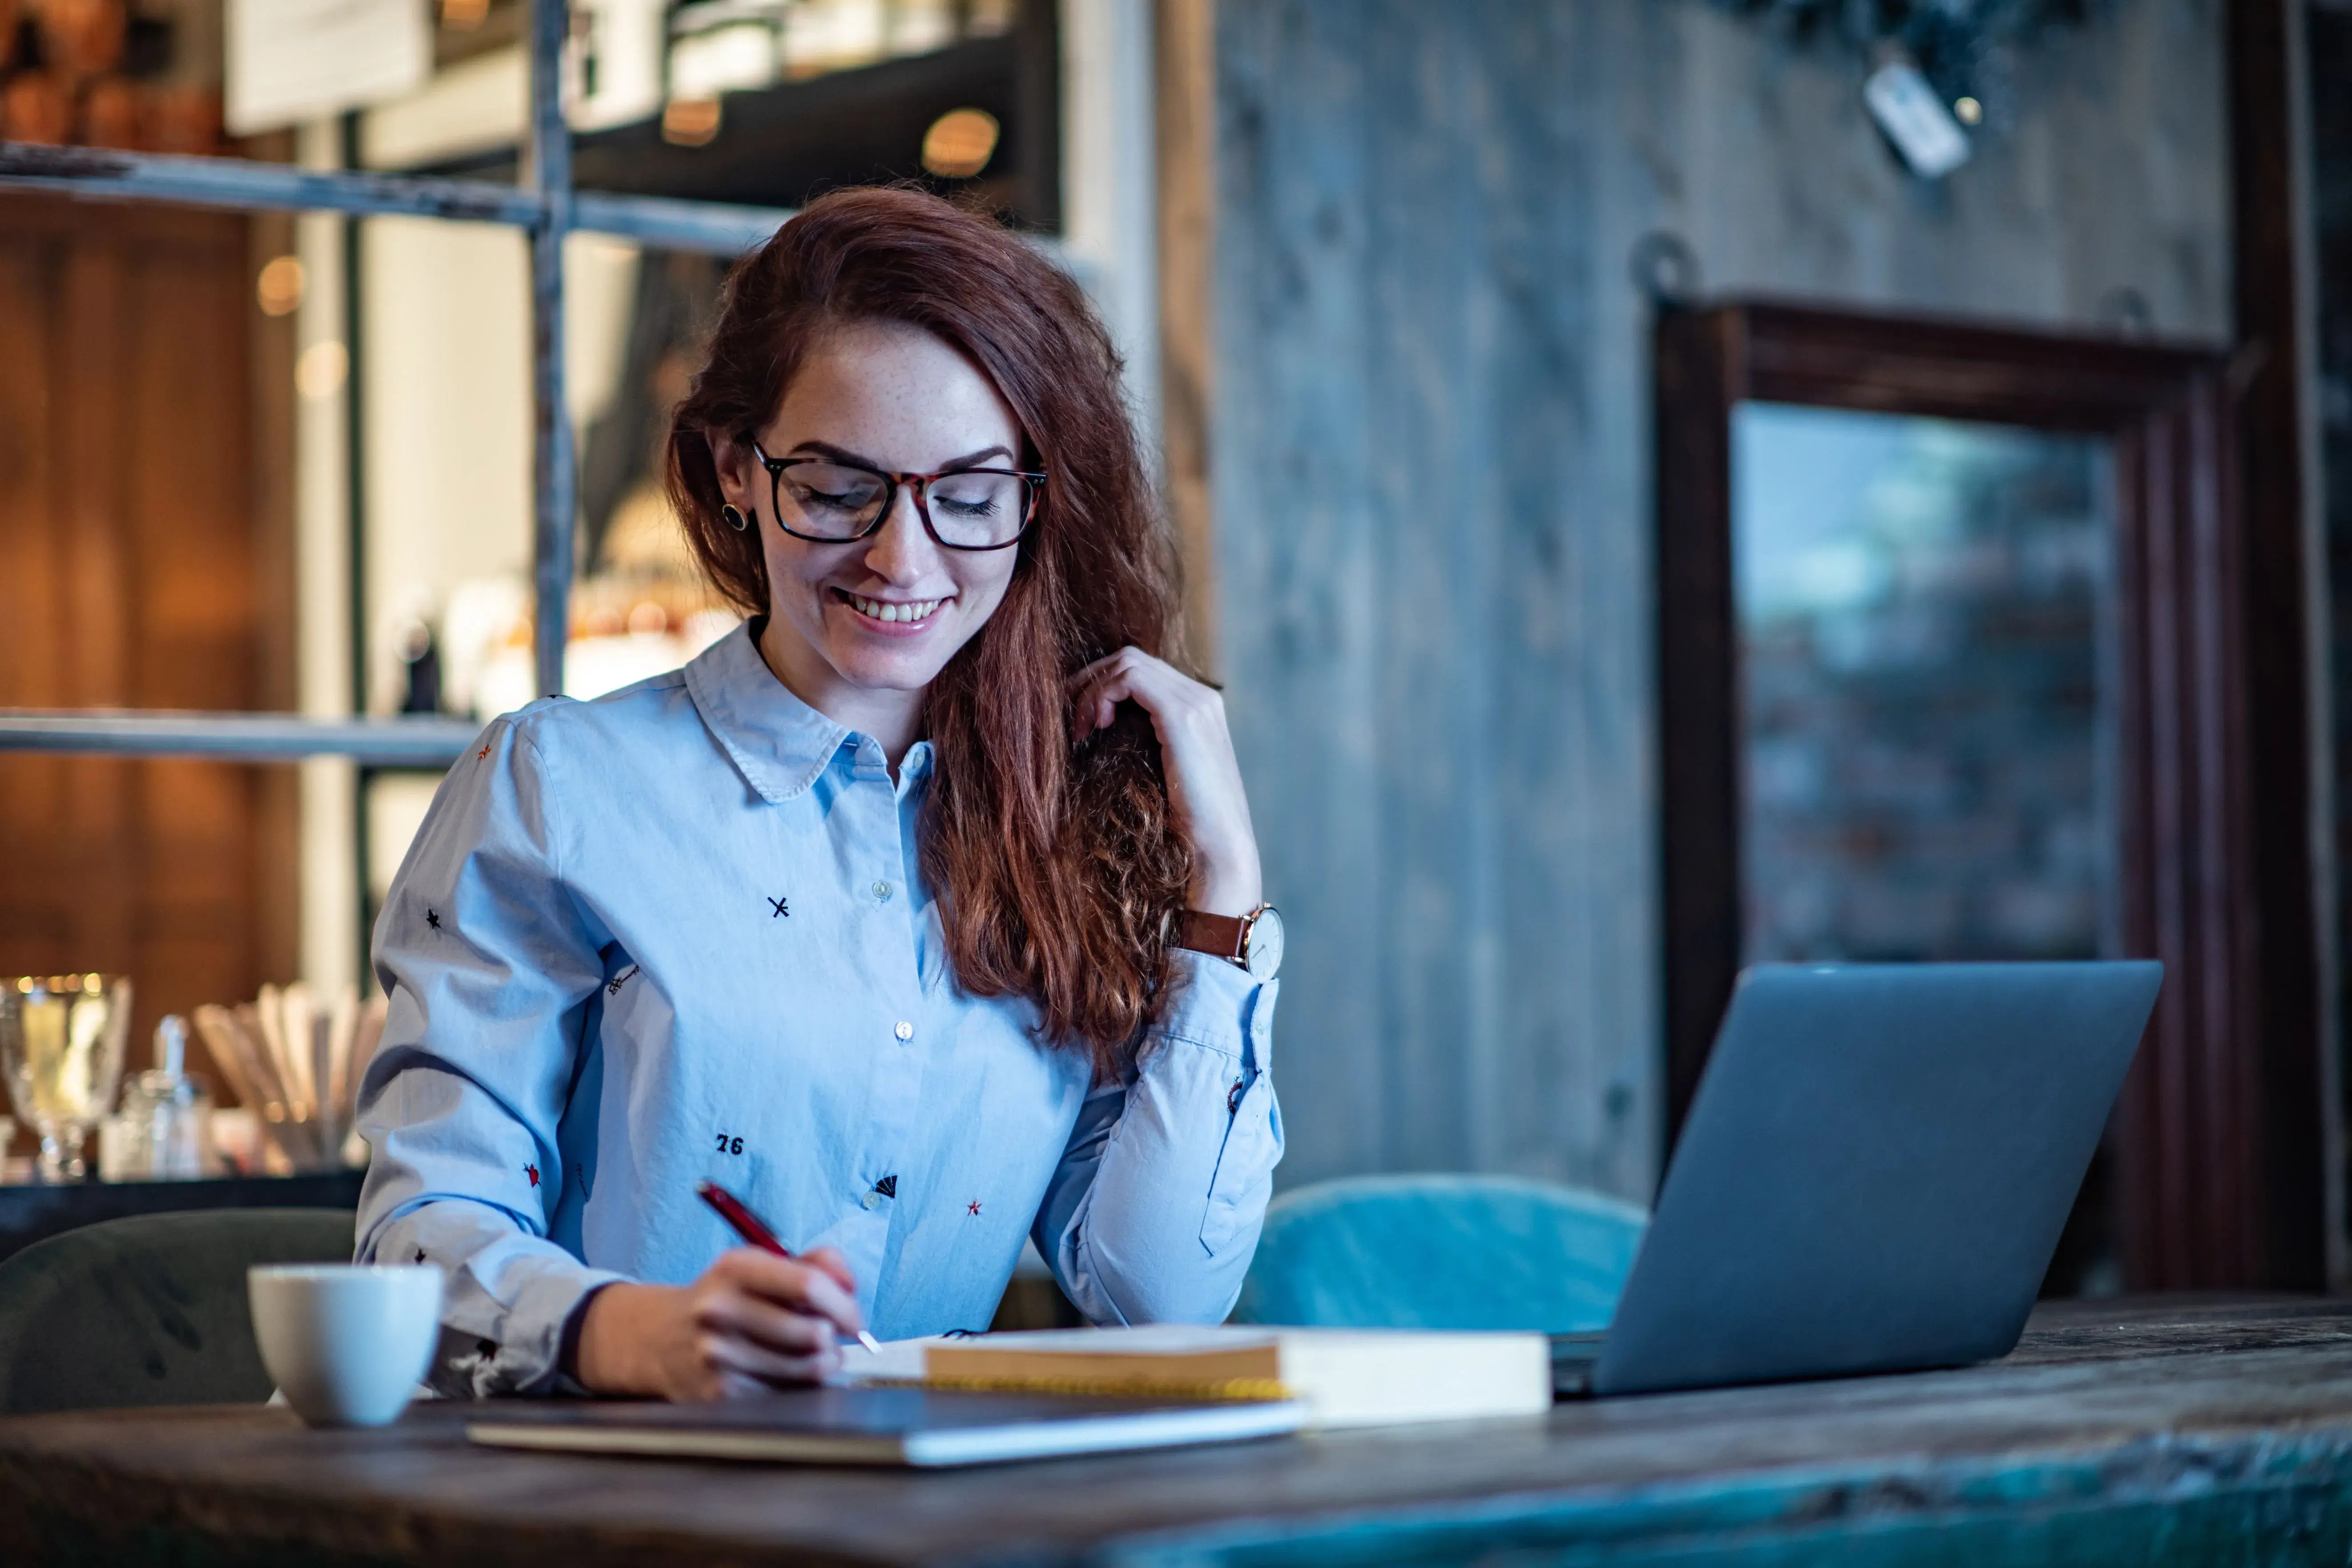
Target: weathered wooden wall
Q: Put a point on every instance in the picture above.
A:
(1430, 476)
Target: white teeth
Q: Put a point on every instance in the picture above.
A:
(875, 609)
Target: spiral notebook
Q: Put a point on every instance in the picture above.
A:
(876, 1424)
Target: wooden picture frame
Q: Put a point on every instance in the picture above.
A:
(2218, 1143)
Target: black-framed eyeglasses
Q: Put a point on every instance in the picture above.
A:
(828, 501)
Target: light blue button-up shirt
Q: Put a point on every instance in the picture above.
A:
(679, 933)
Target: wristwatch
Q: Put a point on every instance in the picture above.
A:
(1252, 941)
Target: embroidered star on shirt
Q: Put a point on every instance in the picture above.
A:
(973, 1206)
(481, 754)
(433, 919)
(781, 907)
(532, 1172)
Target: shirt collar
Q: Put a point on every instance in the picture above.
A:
(778, 742)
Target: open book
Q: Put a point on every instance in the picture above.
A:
(1345, 1377)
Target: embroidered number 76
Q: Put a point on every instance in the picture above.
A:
(729, 1145)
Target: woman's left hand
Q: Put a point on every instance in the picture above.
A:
(1196, 749)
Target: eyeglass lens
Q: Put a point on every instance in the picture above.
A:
(827, 500)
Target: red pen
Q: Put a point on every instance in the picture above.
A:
(748, 1226)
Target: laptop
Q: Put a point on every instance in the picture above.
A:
(1874, 1173)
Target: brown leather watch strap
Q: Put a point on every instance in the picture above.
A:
(1220, 936)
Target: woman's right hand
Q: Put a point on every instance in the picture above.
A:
(752, 1323)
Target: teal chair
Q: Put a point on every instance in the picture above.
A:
(150, 1309)
(1442, 1252)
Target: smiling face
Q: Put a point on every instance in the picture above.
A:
(860, 630)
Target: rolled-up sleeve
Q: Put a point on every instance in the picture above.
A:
(1154, 1211)
(489, 968)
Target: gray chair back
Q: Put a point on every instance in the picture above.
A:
(150, 1309)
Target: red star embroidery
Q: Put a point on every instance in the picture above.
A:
(973, 1206)
(483, 752)
(532, 1172)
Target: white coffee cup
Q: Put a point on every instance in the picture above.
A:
(346, 1342)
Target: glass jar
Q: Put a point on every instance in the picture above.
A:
(163, 1133)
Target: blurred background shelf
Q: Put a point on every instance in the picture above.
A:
(780, 145)
(31, 1212)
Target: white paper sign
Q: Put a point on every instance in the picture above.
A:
(290, 60)
(1915, 121)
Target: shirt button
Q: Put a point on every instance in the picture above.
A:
(882, 891)
(904, 1030)
(871, 1200)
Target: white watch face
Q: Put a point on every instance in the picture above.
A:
(1266, 944)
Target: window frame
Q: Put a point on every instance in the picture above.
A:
(543, 205)
(2218, 1138)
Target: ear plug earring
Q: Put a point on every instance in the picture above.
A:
(734, 518)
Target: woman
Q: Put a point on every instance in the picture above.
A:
(923, 911)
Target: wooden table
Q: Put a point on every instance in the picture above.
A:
(2174, 1431)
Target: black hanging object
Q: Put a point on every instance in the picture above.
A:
(420, 660)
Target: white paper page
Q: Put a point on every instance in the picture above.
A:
(900, 1361)
(1142, 1339)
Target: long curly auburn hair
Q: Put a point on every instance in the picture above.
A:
(1057, 868)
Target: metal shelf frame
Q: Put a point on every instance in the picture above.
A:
(408, 743)
(545, 206)
(91, 174)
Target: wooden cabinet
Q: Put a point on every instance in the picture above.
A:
(145, 545)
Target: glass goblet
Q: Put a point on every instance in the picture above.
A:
(61, 1040)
